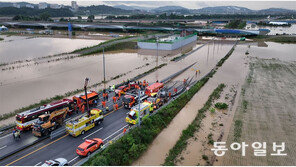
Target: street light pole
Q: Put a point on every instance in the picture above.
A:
(85, 91)
(139, 103)
(104, 66)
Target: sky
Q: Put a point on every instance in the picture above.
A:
(252, 4)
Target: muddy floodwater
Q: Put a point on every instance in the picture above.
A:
(23, 48)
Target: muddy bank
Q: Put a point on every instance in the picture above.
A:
(267, 113)
(167, 138)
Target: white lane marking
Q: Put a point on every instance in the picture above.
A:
(38, 164)
(92, 133)
(5, 136)
(3, 147)
(115, 133)
(73, 159)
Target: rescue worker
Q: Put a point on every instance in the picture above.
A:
(103, 103)
(114, 99)
(184, 81)
(124, 130)
(175, 90)
(116, 107)
(107, 96)
(119, 94)
(113, 87)
(104, 96)
(13, 132)
(82, 108)
(170, 95)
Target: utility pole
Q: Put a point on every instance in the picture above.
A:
(104, 66)
(85, 87)
(139, 103)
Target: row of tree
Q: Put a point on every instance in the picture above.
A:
(12, 11)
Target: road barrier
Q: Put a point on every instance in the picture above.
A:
(58, 132)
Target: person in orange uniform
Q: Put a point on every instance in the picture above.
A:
(103, 103)
(114, 99)
(170, 94)
(116, 106)
(175, 90)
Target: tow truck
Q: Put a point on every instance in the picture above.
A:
(49, 122)
(81, 124)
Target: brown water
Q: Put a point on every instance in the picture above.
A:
(23, 48)
(206, 58)
(30, 84)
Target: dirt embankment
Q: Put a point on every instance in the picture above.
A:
(266, 113)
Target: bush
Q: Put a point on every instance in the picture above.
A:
(205, 157)
(212, 110)
(221, 106)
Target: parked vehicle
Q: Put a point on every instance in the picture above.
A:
(80, 100)
(56, 162)
(25, 120)
(122, 89)
(133, 116)
(80, 125)
(89, 146)
(154, 88)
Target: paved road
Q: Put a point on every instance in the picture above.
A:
(65, 146)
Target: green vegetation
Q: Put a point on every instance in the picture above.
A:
(226, 57)
(277, 38)
(177, 16)
(236, 24)
(114, 47)
(192, 128)
(12, 11)
(1, 39)
(244, 105)
(70, 93)
(221, 106)
(237, 130)
(212, 110)
(210, 138)
(178, 57)
(101, 44)
(205, 157)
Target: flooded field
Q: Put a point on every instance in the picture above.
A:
(16, 48)
(279, 29)
(266, 109)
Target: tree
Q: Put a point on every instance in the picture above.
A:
(44, 16)
(91, 17)
(79, 17)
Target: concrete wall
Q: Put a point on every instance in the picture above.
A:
(167, 46)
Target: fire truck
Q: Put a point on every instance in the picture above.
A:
(80, 100)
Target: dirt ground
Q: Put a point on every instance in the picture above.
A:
(267, 111)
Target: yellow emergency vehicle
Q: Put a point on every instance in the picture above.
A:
(145, 110)
(80, 125)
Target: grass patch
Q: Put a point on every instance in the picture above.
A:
(71, 93)
(101, 44)
(237, 130)
(221, 106)
(210, 138)
(244, 105)
(204, 157)
(192, 128)
(212, 110)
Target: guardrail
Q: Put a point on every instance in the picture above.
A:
(58, 132)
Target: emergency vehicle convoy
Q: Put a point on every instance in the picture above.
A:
(45, 119)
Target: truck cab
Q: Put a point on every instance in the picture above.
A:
(134, 115)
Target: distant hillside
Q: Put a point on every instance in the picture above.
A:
(224, 10)
(169, 8)
(10, 4)
(102, 9)
(12, 11)
(125, 7)
(276, 11)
